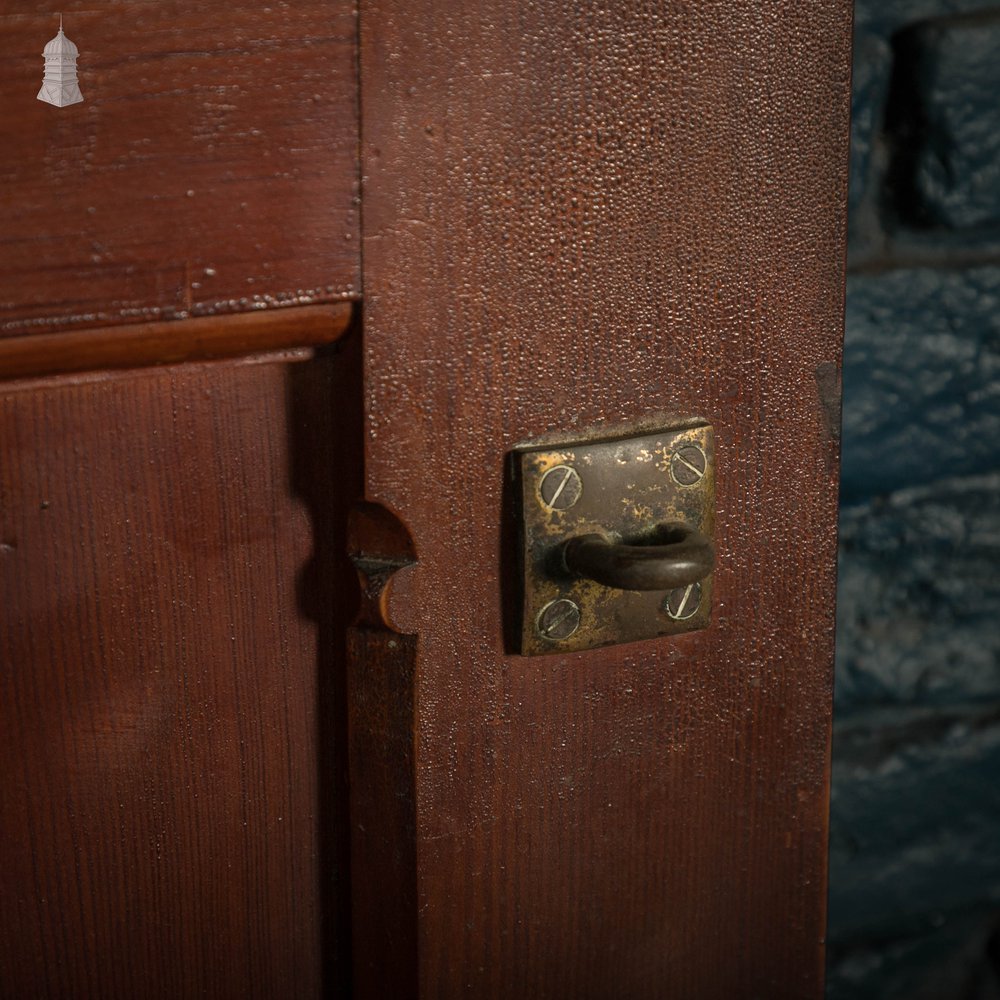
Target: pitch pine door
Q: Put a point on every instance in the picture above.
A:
(279, 300)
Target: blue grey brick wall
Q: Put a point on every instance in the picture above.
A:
(915, 810)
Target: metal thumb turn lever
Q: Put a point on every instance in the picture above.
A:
(679, 555)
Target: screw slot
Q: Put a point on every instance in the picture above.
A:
(558, 620)
(687, 465)
(683, 602)
(560, 487)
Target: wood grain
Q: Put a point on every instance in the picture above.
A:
(140, 344)
(381, 673)
(173, 599)
(582, 218)
(212, 167)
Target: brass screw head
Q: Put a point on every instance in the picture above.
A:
(688, 465)
(683, 602)
(560, 487)
(558, 620)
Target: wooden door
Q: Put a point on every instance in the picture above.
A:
(584, 219)
(558, 221)
(179, 434)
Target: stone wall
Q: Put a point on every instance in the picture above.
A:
(915, 812)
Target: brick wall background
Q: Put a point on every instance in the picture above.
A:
(915, 813)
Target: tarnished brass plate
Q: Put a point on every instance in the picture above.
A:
(624, 488)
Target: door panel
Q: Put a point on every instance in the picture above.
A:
(212, 167)
(171, 679)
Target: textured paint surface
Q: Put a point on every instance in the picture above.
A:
(212, 167)
(921, 378)
(585, 218)
(175, 593)
(952, 176)
(915, 815)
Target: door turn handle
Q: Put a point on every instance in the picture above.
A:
(675, 556)
(614, 539)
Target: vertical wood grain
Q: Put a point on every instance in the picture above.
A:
(586, 217)
(174, 597)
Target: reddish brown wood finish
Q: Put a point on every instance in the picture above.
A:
(143, 344)
(381, 677)
(211, 168)
(594, 216)
(174, 598)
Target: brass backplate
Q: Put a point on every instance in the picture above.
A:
(623, 488)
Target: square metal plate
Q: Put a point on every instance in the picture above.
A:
(624, 488)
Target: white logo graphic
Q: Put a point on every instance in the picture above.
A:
(60, 86)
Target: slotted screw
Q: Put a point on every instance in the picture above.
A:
(560, 487)
(558, 620)
(683, 602)
(687, 465)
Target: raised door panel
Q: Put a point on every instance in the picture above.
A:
(171, 680)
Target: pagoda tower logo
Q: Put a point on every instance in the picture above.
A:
(60, 86)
